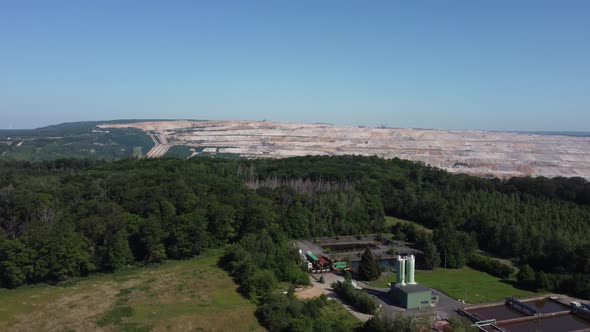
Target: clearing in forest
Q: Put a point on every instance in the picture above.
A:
(391, 221)
(176, 296)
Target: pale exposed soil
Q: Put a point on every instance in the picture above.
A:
(310, 292)
(482, 153)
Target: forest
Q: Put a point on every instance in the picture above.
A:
(67, 218)
(74, 140)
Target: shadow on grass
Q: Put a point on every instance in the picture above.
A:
(381, 295)
(516, 285)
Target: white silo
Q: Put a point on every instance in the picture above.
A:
(411, 270)
(401, 270)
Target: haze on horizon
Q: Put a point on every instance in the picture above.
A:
(499, 65)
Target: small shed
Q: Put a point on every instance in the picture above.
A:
(312, 258)
(339, 265)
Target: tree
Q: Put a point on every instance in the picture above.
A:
(222, 221)
(431, 254)
(398, 323)
(152, 235)
(455, 246)
(347, 276)
(360, 300)
(260, 283)
(187, 235)
(368, 267)
(118, 254)
(60, 252)
(526, 277)
(15, 263)
(542, 281)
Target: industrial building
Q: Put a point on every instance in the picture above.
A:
(410, 295)
(322, 263)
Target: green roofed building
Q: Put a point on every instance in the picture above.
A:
(340, 265)
(312, 257)
(410, 295)
(413, 296)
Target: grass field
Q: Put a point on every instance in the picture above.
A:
(193, 295)
(466, 283)
(386, 277)
(470, 285)
(391, 221)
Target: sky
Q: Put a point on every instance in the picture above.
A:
(491, 65)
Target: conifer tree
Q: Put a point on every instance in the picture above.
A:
(368, 268)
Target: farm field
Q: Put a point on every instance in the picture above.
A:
(471, 285)
(176, 296)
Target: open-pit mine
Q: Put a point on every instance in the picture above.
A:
(482, 153)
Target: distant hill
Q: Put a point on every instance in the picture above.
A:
(74, 140)
(561, 133)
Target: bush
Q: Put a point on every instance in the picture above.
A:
(360, 300)
(526, 277)
(398, 323)
(491, 266)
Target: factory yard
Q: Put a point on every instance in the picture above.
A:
(324, 255)
(549, 313)
(439, 294)
(351, 247)
(482, 153)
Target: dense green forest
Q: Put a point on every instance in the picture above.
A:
(72, 217)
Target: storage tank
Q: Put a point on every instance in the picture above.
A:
(401, 270)
(411, 270)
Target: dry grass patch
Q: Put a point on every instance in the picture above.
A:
(188, 295)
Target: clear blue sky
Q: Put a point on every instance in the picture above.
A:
(500, 65)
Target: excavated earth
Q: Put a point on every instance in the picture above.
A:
(481, 153)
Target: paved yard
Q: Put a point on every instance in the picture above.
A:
(446, 306)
